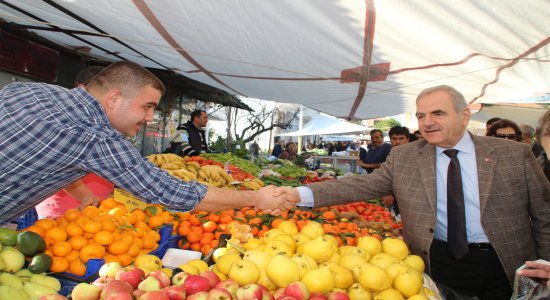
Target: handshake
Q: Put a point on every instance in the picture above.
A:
(274, 199)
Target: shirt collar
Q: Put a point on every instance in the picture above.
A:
(465, 145)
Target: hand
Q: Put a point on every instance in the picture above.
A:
(271, 199)
(87, 201)
(388, 200)
(537, 270)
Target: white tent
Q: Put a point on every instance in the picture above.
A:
(347, 58)
(323, 125)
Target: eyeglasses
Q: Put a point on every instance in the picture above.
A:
(507, 136)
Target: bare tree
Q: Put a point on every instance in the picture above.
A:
(256, 122)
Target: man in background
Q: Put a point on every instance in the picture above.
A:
(190, 140)
(377, 152)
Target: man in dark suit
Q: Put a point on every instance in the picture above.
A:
(505, 206)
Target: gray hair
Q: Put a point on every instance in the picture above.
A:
(544, 124)
(459, 102)
(527, 130)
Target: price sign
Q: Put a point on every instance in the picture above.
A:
(132, 202)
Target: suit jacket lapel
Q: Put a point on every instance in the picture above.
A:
(486, 164)
(426, 165)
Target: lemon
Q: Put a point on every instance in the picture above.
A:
(193, 270)
(389, 294)
(415, 262)
(224, 262)
(407, 283)
(200, 264)
(395, 247)
(370, 245)
(288, 227)
(374, 278)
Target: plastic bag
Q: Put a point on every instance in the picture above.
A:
(526, 288)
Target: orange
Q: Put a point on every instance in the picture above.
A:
(118, 247)
(128, 237)
(139, 232)
(133, 251)
(109, 226)
(38, 230)
(92, 226)
(129, 219)
(167, 216)
(61, 222)
(92, 251)
(148, 243)
(125, 259)
(138, 243)
(142, 225)
(73, 229)
(194, 237)
(89, 236)
(138, 214)
(73, 255)
(183, 230)
(59, 264)
(154, 235)
(155, 221)
(80, 220)
(109, 203)
(55, 234)
(45, 224)
(209, 226)
(61, 248)
(104, 237)
(194, 220)
(214, 218)
(71, 214)
(119, 210)
(77, 267)
(111, 258)
(91, 211)
(196, 247)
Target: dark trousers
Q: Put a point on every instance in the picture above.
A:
(477, 274)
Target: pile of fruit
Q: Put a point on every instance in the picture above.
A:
(108, 231)
(206, 171)
(244, 165)
(16, 282)
(201, 230)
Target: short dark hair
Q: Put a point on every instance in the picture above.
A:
(85, 75)
(505, 123)
(196, 114)
(412, 137)
(372, 132)
(399, 130)
(129, 77)
(491, 121)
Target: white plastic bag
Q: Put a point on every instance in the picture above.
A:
(526, 288)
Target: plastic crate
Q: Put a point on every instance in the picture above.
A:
(27, 219)
(69, 281)
(167, 240)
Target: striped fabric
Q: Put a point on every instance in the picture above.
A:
(51, 136)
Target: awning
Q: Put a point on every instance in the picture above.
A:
(357, 59)
(521, 114)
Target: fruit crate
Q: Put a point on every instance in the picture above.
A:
(27, 219)
(69, 281)
(167, 240)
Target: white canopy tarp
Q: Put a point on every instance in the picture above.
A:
(323, 125)
(520, 115)
(362, 59)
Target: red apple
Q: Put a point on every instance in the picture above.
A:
(138, 293)
(85, 291)
(100, 282)
(150, 283)
(230, 285)
(161, 276)
(109, 270)
(131, 275)
(120, 296)
(196, 283)
(154, 295)
(198, 296)
(179, 278)
(249, 292)
(52, 297)
(266, 294)
(285, 297)
(337, 296)
(219, 294)
(175, 292)
(115, 286)
(212, 277)
(279, 292)
(317, 296)
(297, 290)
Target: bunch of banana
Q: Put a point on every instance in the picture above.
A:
(214, 175)
(252, 184)
(166, 159)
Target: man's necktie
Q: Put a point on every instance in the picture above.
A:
(456, 216)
